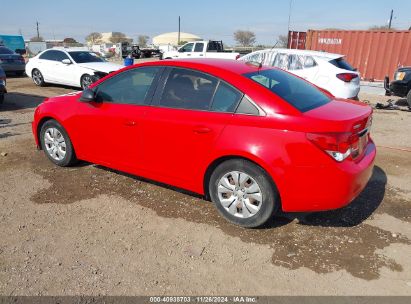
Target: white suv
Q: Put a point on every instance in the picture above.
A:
(326, 70)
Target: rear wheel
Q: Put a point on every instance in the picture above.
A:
(56, 144)
(409, 98)
(37, 78)
(243, 193)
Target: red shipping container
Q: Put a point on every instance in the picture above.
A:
(296, 40)
(375, 54)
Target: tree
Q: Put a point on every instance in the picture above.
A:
(282, 41)
(183, 42)
(244, 38)
(93, 38)
(69, 40)
(142, 40)
(36, 39)
(118, 37)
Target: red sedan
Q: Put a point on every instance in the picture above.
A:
(251, 138)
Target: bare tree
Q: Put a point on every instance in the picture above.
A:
(142, 40)
(118, 37)
(93, 38)
(36, 39)
(282, 41)
(244, 38)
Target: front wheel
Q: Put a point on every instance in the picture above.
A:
(409, 98)
(86, 81)
(56, 144)
(243, 193)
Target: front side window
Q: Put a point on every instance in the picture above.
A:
(129, 87)
(187, 89)
(187, 48)
(294, 90)
(59, 56)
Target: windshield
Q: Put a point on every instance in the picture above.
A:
(4, 50)
(83, 57)
(294, 90)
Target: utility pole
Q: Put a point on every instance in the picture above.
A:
(38, 33)
(389, 23)
(179, 29)
(289, 15)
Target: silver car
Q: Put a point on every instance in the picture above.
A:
(11, 61)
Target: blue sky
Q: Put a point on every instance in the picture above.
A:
(209, 19)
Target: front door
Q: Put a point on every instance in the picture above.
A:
(110, 132)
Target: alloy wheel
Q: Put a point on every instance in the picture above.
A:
(55, 143)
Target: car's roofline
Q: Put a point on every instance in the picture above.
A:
(301, 52)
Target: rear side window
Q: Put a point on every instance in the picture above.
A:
(187, 89)
(225, 98)
(294, 90)
(281, 61)
(199, 47)
(342, 64)
(49, 55)
(129, 87)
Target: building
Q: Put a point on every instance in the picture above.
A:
(172, 38)
(105, 37)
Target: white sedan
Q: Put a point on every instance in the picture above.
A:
(73, 67)
(326, 70)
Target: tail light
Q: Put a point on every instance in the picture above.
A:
(347, 77)
(338, 145)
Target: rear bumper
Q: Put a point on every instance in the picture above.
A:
(329, 187)
(9, 67)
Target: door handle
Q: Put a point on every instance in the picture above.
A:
(130, 123)
(188, 54)
(201, 130)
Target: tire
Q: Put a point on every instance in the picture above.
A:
(246, 211)
(52, 144)
(85, 81)
(409, 98)
(38, 78)
(1, 98)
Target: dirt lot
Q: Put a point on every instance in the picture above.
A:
(89, 230)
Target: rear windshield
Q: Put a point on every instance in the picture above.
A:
(294, 90)
(342, 64)
(4, 50)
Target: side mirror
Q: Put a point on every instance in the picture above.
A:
(66, 61)
(181, 50)
(88, 95)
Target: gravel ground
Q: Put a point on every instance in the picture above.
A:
(88, 230)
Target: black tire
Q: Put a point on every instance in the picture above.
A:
(86, 80)
(1, 98)
(38, 78)
(70, 156)
(270, 196)
(409, 98)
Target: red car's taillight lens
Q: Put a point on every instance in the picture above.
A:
(338, 145)
(347, 77)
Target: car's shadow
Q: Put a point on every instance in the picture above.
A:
(19, 101)
(352, 215)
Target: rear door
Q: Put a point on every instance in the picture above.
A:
(46, 65)
(189, 112)
(109, 130)
(199, 50)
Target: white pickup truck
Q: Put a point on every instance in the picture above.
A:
(201, 49)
